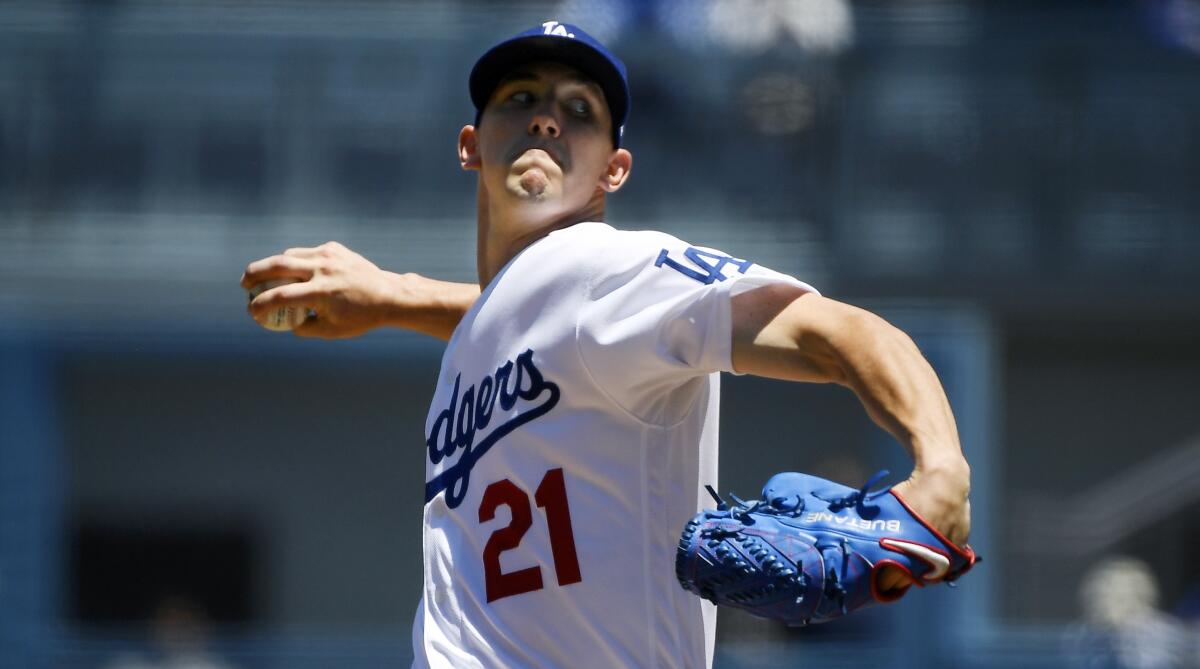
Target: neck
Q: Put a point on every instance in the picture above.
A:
(503, 231)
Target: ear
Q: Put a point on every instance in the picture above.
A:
(618, 170)
(468, 148)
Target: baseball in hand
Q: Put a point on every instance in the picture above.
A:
(282, 319)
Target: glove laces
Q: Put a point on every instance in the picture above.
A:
(858, 498)
(834, 588)
(742, 509)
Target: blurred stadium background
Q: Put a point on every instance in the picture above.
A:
(1017, 184)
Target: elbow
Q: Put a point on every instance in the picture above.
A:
(858, 338)
(874, 332)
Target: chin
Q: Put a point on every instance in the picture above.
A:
(532, 193)
(540, 205)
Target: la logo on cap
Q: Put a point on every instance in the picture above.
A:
(555, 28)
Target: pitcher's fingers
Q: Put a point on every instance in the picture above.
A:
(277, 267)
(302, 252)
(891, 578)
(299, 295)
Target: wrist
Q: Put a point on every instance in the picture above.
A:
(954, 466)
(426, 305)
(403, 303)
(951, 474)
(938, 453)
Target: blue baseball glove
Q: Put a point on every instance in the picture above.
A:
(810, 549)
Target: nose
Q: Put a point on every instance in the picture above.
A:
(543, 125)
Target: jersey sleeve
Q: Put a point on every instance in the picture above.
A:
(658, 316)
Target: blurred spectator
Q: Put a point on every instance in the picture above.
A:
(1123, 627)
(179, 636)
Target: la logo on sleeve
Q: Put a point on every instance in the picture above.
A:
(709, 266)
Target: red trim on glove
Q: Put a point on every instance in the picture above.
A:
(964, 551)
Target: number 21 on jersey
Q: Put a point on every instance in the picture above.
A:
(551, 495)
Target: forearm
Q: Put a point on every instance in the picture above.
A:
(810, 338)
(427, 305)
(899, 389)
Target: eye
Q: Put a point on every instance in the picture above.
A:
(579, 107)
(521, 97)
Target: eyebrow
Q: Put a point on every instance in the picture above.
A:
(517, 75)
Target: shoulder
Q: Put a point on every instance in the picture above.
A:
(594, 238)
(607, 260)
(604, 254)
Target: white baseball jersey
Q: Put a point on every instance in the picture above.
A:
(573, 428)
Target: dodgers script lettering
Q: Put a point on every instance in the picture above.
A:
(471, 411)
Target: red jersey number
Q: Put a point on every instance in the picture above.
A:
(551, 495)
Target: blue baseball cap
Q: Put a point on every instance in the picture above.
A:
(559, 43)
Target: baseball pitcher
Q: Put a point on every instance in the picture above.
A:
(573, 427)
